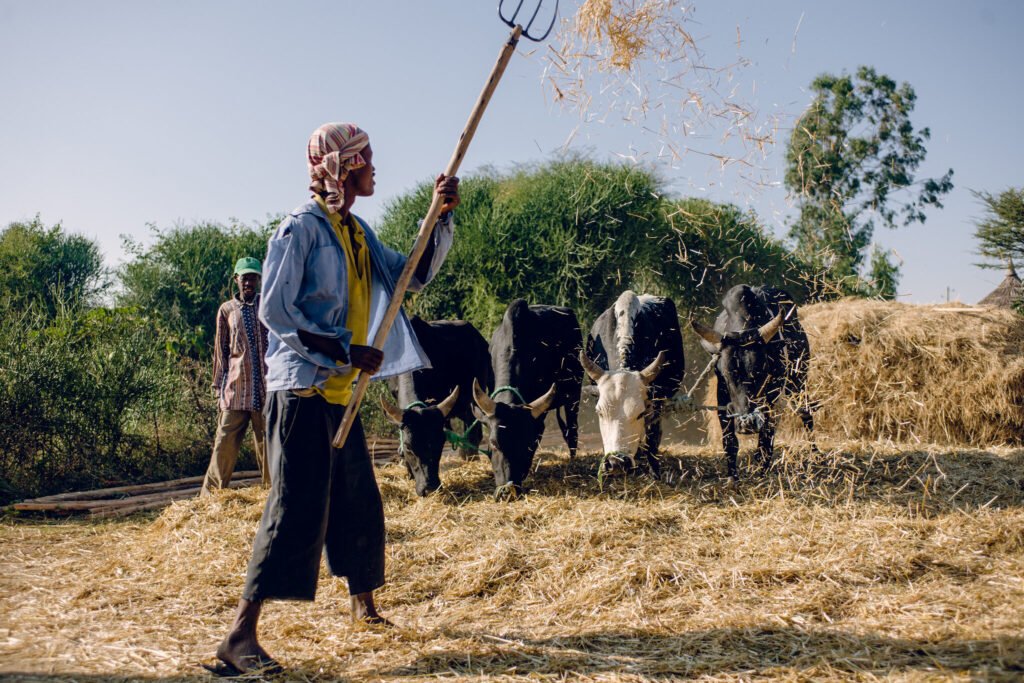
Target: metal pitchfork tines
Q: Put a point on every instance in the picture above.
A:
(527, 30)
(427, 226)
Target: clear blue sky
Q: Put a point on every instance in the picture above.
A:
(116, 115)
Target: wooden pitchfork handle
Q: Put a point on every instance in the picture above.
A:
(426, 231)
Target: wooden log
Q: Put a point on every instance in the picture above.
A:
(113, 503)
(127, 509)
(134, 489)
(132, 505)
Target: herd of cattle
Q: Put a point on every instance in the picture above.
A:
(634, 355)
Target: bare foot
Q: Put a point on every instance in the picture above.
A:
(240, 650)
(364, 611)
(245, 656)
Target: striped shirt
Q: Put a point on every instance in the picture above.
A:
(239, 367)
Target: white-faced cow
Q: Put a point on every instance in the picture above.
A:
(431, 397)
(535, 356)
(635, 357)
(762, 353)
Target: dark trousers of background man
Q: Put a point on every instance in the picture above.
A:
(231, 428)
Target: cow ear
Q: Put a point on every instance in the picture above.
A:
(482, 400)
(542, 404)
(592, 390)
(446, 405)
(709, 339)
(650, 373)
(391, 411)
(594, 371)
(478, 414)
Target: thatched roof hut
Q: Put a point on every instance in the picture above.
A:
(1007, 293)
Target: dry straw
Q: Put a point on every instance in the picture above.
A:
(637, 62)
(949, 374)
(860, 563)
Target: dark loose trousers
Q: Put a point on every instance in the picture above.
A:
(321, 499)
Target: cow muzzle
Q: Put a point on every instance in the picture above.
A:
(750, 423)
(427, 486)
(618, 463)
(507, 492)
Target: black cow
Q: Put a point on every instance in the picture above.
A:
(635, 356)
(535, 356)
(762, 353)
(431, 397)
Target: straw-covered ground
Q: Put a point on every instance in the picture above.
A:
(863, 562)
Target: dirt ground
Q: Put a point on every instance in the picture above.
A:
(864, 562)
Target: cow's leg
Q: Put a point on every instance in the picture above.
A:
(569, 426)
(766, 442)
(652, 441)
(730, 442)
(474, 435)
(804, 411)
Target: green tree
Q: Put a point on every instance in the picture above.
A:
(707, 247)
(883, 276)
(48, 268)
(183, 277)
(1000, 231)
(571, 232)
(851, 162)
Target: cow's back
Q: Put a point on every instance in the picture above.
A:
(746, 307)
(657, 329)
(458, 354)
(535, 346)
(653, 327)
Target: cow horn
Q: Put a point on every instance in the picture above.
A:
(391, 410)
(594, 371)
(713, 339)
(650, 373)
(770, 328)
(446, 405)
(542, 404)
(482, 400)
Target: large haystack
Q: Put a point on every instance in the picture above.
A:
(902, 372)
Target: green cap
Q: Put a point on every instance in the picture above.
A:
(248, 264)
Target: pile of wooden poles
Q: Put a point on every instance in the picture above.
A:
(125, 500)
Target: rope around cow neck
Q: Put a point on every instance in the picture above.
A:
(462, 441)
(685, 401)
(454, 438)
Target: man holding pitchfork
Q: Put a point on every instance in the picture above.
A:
(327, 281)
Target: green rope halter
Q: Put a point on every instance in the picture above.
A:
(454, 438)
(509, 388)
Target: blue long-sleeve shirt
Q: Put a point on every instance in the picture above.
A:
(305, 287)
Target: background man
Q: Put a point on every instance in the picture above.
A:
(239, 370)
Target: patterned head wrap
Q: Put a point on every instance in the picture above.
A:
(334, 150)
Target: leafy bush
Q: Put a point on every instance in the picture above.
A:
(706, 248)
(79, 397)
(577, 233)
(571, 232)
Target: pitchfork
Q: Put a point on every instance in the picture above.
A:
(427, 227)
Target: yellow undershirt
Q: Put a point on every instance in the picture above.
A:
(338, 388)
